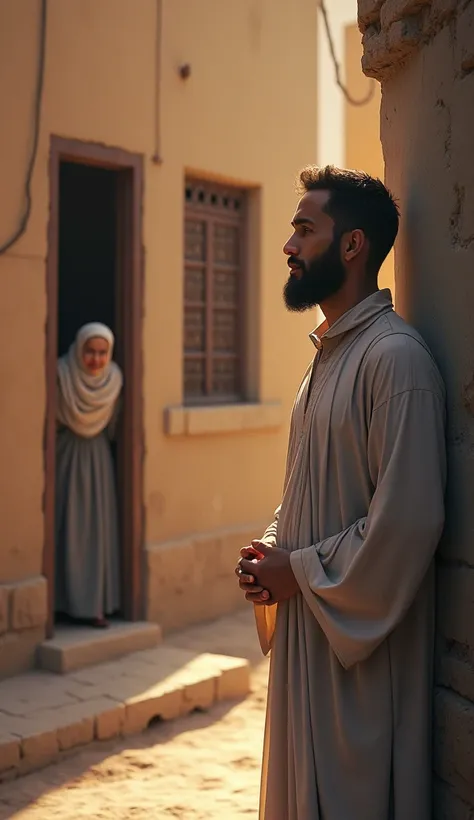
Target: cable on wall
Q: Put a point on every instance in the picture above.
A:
(337, 69)
(36, 130)
(157, 158)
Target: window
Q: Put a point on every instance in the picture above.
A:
(213, 293)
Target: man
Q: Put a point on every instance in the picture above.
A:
(343, 578)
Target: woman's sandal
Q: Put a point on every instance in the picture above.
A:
(100, 623)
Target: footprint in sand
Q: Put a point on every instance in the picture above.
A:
(245, 763)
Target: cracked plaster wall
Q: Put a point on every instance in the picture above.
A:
(422, 51)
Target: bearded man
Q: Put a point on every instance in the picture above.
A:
(343, 579)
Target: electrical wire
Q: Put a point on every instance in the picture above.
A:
(24, 219)
(157, 158)
(337, 69)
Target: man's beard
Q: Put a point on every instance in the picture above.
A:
(321, 278)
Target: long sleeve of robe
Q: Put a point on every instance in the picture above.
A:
(270, 535)
(349, 708)
(360, 582)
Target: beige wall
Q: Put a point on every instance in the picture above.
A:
(247, 114)
(362, 127)
(233, 118)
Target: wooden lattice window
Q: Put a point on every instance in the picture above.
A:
(213, 293)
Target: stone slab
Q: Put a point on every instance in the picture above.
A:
(110, 723)
(9, 752)
(234, 680)
(43, 715)
(78, 647)
(29, 693)
(18, 651)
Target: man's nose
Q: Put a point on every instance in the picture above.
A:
(290, 249)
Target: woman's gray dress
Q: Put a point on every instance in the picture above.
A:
(87, 536)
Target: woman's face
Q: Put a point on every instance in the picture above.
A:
(95, 355)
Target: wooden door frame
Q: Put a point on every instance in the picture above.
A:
(129, 351)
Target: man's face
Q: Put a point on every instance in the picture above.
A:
(314, 255)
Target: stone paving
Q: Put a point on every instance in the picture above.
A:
(202, 766)
(43, 715)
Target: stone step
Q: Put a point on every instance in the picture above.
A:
(75, 647)
(43, 715)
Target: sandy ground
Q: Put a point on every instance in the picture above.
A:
(203, 767)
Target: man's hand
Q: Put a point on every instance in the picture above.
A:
(272, 573)
(253, 592)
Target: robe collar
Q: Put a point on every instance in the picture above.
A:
(364, 313)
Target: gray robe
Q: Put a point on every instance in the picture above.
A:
(87, 537)
(349, 705)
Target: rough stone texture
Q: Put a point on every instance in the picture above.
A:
(456, 601)
(178, 572)
(369, 12)
(393, 31)
(455, 668)
(394, 11)
(454, 747)
(423, 52)
(465, 39)
(449, 806)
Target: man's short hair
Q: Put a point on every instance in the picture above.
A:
(357, 201)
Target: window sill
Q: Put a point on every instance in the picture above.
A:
(227, 418)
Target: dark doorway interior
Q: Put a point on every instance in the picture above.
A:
(94, 272)
(87, 258)
(87, 249)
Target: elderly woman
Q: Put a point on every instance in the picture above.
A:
(87, 539)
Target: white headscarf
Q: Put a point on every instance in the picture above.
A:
(86, 402)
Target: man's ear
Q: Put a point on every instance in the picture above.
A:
(352, 244)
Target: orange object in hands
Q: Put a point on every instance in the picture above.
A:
(258, 555)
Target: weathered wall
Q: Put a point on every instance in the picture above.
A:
(247, 114)
(423, 52)
(363, 149)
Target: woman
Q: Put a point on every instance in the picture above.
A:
(87, 540)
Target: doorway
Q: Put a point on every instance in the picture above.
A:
(94, 273)
(87, 253)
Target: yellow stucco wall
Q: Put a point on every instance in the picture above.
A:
(362, 128)
(247, 114)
